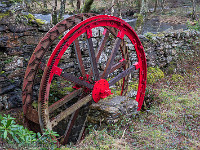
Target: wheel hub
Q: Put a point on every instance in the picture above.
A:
(101, 90)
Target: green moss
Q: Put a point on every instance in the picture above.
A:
(119, 83)
(35, 105)
(149, 35)
(139, 22)
(87, 6)
(58, 91)
(15, 1)
(195, 25)
(39, 21)
(177, 78)
(69, 89)
(154, 74)
(2, 72)
(160, 34)
(2, 15)
(171, 68)
(8, 60)
(134, 86)
(30, 17)
(118, 92)
(115, 93)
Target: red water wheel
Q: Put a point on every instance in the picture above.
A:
(96, 56)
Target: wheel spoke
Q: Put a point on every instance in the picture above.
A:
(102, 44)
(70, 125)
(118, 65)
(93, 59)
(81, 134)
(121, 75)
(70, 77)
(64, 100)
(101, 47)
(111, 59)
(79, 58)
(70, 110)
(78, 81)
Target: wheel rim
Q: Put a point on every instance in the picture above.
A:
(52, 69)
(112, 26)
(31, 120)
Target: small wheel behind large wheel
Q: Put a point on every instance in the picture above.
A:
(97, 57)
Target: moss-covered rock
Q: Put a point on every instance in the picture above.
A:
(31, 19)
(149, 35)
(154, 74)
(39, 21)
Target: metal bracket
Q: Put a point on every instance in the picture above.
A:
(55, 70)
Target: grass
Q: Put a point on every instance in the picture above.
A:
(100, 140)
(171, 122)
(171, 125)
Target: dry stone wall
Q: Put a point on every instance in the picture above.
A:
(168, 48)
(17, 43)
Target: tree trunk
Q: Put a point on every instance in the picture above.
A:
(78, 4)
(54, 18)
(71, 3)
(112, 9)
(144, 7)
(45, 4)
(119, 4)
(139, 4)
(162, 4)
(28, 7)
(87, 6)
(193, 10)
(156, 5)
(62, 8)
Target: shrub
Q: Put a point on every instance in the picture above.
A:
(154, 74)
(16, 136)
(195, 25)
(177, 78)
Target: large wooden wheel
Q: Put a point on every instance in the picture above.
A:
(96, 55)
